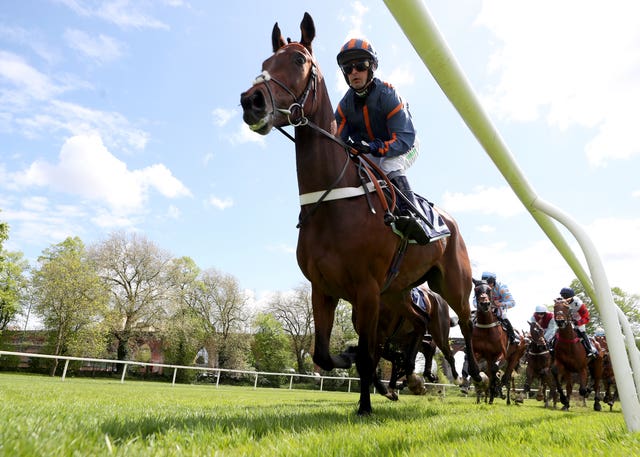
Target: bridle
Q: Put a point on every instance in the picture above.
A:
(295, 111)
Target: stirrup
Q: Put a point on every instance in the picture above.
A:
(410, 227)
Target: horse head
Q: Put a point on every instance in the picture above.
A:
(482, 291)
(286, 88)
(561, 312)
(536, 335)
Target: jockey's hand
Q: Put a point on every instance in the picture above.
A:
(358, 148)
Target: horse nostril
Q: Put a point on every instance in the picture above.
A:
(252, 101)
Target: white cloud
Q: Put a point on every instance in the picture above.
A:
(30, 83)
(500, 201)
(282, 247)
(222, 116)
(31, 39)
(486, 229)
(102, 48)
(86, 168)
(78, 120)
(119, 12)
(546, 71)
(401, 76)
(173, 212)
(246, 135)
(219, 203)
(208, 157)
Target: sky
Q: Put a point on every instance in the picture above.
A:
(124, 116)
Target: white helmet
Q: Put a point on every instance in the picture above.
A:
(541, 309)
(599, 331)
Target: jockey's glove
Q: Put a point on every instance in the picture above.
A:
(358, 148)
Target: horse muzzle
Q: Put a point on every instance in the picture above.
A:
(483, 304)
(254, 108)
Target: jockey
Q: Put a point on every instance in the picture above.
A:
(502, 300)
(580, 316)
(374, 120)
(545, 319)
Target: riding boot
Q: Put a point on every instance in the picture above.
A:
(407, 222)
(513, 337)
(586, 342)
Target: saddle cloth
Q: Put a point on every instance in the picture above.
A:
(417, 297)
(436, 227)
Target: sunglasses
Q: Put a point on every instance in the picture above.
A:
(359, 66)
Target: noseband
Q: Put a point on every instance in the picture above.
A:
(295, 112)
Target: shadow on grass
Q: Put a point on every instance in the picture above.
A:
(259, 421)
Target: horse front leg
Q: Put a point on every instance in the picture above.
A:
(466, 327)
(324, 308)
(557, 381)
(366, 312)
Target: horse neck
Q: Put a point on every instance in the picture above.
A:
(567, 333)
(320, 160)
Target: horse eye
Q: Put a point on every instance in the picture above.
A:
(300, 59)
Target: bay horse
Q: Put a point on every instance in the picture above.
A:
(401, 349)
(539, 359)
(608, 376)
(491, 344)
(345, 249)
(570, 357)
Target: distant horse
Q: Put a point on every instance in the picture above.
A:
(539, 364)
(491, 344)
(345, 248)
(399, 348)
(571, 358)
(608, 376)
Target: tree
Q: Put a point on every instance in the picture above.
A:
(295, 314)
(270, 346)
(343, 333)
(222, 306)
(135, 271)
(70, 298)
(13, 285)
(629, 304)
(13, 281)
(183, 337)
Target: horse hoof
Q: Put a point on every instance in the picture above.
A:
(364, 412)
(597, 407)
(392, 396)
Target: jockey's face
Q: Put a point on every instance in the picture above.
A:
(358, 74)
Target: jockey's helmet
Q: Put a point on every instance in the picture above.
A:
(567, 292)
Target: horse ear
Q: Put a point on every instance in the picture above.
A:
(276, 38)
(475, 281)
(308, 30)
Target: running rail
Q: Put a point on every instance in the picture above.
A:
(421, 30)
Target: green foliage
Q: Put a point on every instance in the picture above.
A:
(70, 298)
(183, 337)
(44, 416)
(13, 281)
(628, 303)
(270, 346)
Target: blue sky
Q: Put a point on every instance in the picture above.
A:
(124, 115)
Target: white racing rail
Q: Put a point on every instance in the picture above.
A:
(421, 30)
